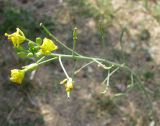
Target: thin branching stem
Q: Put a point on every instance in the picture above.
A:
(64, 70)
(83, 67)
(46, 61)
(77, 56)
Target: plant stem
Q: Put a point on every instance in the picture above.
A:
(87, 58)
(29, 40)
(64, 70)
(83, 67)
(40, 59)
(74, 41)
(39, 63)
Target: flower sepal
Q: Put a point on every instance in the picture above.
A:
(68, 83)
(30, 67)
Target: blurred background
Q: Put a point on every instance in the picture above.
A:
(123, 31)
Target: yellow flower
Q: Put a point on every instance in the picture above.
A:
(69, 86)
(17, 37)
(68, 83)
(17, 76)
(48, 46)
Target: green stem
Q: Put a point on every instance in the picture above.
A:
(73, 51)
(29, 40)
(46, 61)
(146, 4)
(64, 70)
(141, 87)
(40, 59)
(74, 40)
(122, 43)
(87, 58)
(83, 67)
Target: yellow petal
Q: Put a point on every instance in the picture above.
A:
(69, 85)
(48, 46)
(17, 76)
(17, 37)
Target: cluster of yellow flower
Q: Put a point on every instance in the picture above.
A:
(41, 51)
(18, 37)
(47, 46)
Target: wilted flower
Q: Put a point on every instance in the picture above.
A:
(17, 37)
(17, 76)
(48, 46)
(68, 83)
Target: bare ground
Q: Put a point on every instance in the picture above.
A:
(42, 101)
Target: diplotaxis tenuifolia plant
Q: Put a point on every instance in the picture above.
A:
(43, 51)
